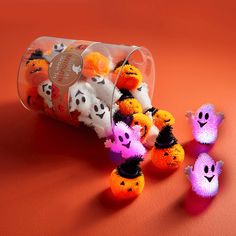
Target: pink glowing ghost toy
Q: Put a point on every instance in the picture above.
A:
(204, 176)
(205, 123)
(126, 141)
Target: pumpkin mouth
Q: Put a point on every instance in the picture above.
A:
(167, 120)
(127, 145)
(131, 73)
(36, 70)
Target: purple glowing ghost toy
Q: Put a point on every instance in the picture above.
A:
(204, 176)
(205, 123)
(126, 141)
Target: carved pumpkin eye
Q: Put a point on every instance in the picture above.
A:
(122, 183)
(166, 154)
(136, 183)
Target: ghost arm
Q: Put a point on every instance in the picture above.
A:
(220, 116)
(219, 165)
(189, 115)
(189, 172)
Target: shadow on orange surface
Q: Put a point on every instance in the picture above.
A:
(31, 139)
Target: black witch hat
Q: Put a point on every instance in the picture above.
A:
(153, 110)
(37, 54)
(130, 168)
(120, 63)
(125, 94)
(165, 138)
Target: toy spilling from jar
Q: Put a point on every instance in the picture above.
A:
(104, 95)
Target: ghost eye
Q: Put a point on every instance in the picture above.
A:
(127, 135)
(200, 115)
(122, 183)
(206, 116)
(94, 79)
(62, 45)
(102, 106)
(55, 46)
(166, 154)
(50, 87)
(96, 108)
(206, 169)
(212, 168)
(83, 99)
(120, 138)
(77, 101)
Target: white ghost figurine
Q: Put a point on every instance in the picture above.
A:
(204, 175)
(104, 89)
(141, 94)
(100, 118)
(205, 123)
(45, 91)
(56, 49)
(81, 97)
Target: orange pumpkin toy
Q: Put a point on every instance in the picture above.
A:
(161, 118)
(36, 69)
(34, 100)
(167, 154)
(96, 64)
(127, 181)
(128, 105)
(129, 78)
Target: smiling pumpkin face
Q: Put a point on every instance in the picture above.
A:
(36, 71)
(162, 118)
(168, 158)
(129, 78)
(125, 188)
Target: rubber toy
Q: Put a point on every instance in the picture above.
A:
(128, 105)
(126, 141)
(36, 70)
(96, 64)
(204, 176)
(81, 98)
(99, 118)
(144, 121)
(34, 100)
(141, 94)
(56, 49)
(45, 91)
(127, 180)
(105, 90)
(167, 154)
(161, 118)
(129, 78)
(205, 123)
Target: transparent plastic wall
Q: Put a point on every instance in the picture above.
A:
(72, 80)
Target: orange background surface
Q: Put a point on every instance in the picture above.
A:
(54, 177)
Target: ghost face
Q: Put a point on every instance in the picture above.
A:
(60, 47)
(100, 113)
(45, 90)
(123, 135)
(205, 176)
(205, 124)
(81, 98)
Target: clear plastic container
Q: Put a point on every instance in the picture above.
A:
(69, 79)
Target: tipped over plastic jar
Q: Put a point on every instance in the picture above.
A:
(82, 81)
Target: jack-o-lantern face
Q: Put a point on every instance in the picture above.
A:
(95, 64)
(129, 78)
(36, 71)
(126, 188)
(162, 118)
(168, 158)
(144, 121)
(129, 106)
(34, 100)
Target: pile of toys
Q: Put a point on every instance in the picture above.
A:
(113, 99)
